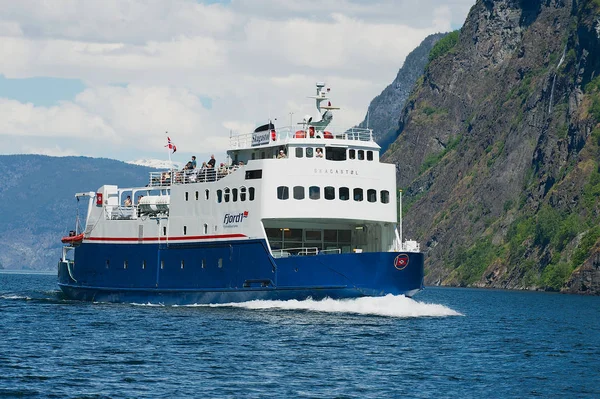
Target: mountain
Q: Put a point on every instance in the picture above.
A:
(498, 149)
(38, 206)
(383, 114)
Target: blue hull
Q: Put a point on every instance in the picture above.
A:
(233, 271)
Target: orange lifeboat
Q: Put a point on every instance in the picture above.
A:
(327, 135)
(73, 239)
(300, 134)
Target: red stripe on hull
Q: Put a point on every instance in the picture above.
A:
(154, 239)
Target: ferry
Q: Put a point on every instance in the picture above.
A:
(297, 212)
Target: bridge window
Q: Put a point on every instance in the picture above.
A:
(369, 155)
(283, 193)
(358, 194)
(197, 195)
(371, 195)
(385, 196)
(351, 153)
(344, 193)
(314, 192)
(243, 194)
(226, 196)
(219, 196)
(299, 192)
(253, 174)
(329, 193)
(205, 228)
(186, 195)
(335, 153)
(234, 194)
(299, 152)
(361, 155)
(309, 152)
(207, 193)
(251, 194)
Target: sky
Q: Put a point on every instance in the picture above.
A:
(108, 78)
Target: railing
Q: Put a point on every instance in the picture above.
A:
(120, 212)
(303, 251)
(284, 134)
(170, 177)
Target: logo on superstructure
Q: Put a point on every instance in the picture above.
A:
(233, 220)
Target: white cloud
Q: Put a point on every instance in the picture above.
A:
(254, 59)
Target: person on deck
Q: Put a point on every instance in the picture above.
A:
(212, 161)
(281, 155)
(128, 201)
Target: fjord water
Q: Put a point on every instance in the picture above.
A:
(445, 343)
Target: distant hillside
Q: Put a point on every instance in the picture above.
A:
(384, 110)
(499, 149)
(38, 206)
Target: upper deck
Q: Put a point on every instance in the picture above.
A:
(289, 135)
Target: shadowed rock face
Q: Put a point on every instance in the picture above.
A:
(384, 110)
(498, 150)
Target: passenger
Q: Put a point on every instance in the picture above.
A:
(281, 155)
(128, 201)
(193, 162)
(212, 161)
(319, 153)
(138, 205)
(165, 178)
(222, 170)
(311, 132)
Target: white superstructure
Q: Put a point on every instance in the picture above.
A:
(306, 189)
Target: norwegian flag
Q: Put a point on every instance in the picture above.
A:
(170, 145)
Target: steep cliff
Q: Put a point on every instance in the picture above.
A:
(383, 114)
(499, 147)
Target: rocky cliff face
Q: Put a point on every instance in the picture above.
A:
(498, 149)
(383, 114)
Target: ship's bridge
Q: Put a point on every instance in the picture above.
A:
(287, 142)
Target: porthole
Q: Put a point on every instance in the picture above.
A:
(344, 193)
(283, 193)
(371, 195)
(329, 193)
(358, 194)
(314, 192)
(385, 196)
(299, 192)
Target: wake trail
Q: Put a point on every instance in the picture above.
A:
(389, 305)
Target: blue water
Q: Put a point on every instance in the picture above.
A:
(445, 343)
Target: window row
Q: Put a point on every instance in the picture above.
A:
(242, 194)
(334, 153)
(329, 193)
(203, 264)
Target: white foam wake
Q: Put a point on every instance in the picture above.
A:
(389, 305)
(14, 296)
